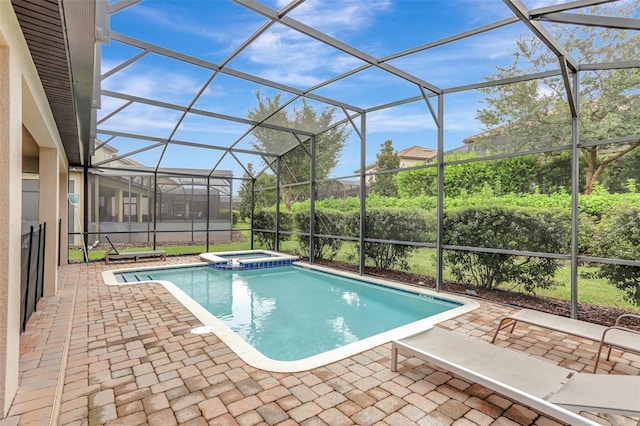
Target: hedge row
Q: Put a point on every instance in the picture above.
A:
(507, 228)
(615, 236)
(597, 204)
(383, 224)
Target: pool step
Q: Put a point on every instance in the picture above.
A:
(137, 278)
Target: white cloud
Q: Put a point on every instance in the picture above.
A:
(203, 129)
(294, 58)
(143, 120)
(459, 119)
(343, 16)
(544, 3)
(108, 105)
(178, 20)
(286, 56)
(215, 90)
(157, 84)
(398, 121)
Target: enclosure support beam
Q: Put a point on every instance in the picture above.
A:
(128, 209)
(590, 21)
(85, 209)
(312, 201)
(572, 98)
(278, 170)
(155, 207)
(440, 201)
(253, 206)
(575, 180)
(521, 11)
(230, 207)
(363, 190)
(208, 210)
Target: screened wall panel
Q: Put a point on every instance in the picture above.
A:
(121, 206)
(143, 209)
(512, 118)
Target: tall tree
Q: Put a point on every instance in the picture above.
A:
(535, 114)
(385, 184)
(264, 191)
(245, 193)
(295, 163)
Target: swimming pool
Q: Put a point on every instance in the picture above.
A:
(295, 318)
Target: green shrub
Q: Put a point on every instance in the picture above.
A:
(224, 214)
(236, 216)
(587, 228)
(618, 237)
(328, 222)
(390, 224)
(544, 231)
(505, 175)
(266, 219)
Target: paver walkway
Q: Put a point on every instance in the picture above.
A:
(124, 355)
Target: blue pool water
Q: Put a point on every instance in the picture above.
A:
(290, 313)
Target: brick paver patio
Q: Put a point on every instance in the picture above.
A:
(97, 354)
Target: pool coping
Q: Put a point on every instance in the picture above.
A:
(256, 359)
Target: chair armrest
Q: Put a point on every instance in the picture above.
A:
(623, 329)
(619, 319)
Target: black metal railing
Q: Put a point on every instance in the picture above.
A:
(32, 279)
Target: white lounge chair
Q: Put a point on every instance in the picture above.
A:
(541, 385)
(615, 336)
(135, 255)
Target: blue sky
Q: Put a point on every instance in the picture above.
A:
(212, 30)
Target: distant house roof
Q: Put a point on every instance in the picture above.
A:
(497, 136)
(493, 138)
(412, 154)
(417, 152)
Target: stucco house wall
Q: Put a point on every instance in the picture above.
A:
(29, 140)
